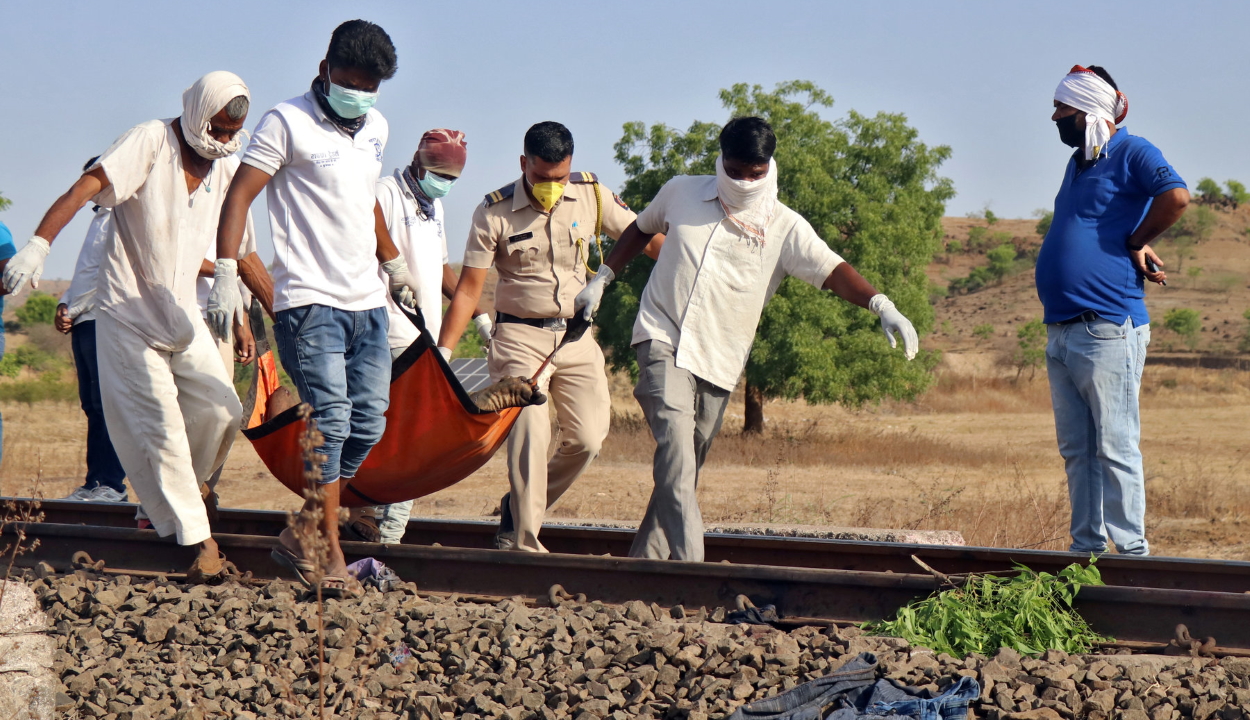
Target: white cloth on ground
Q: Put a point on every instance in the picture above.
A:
(749, 204)
(160, 233)
(205, 98)
(321, 202)
(1084, 90)
(79, 297)
(709, 285)
(423, 243)
(172, 417)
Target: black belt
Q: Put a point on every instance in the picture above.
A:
(1085, 317)
(555, 324)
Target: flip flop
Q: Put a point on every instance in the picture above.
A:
(296, 564)
(333, 586)
(363, 528)
(206, 571)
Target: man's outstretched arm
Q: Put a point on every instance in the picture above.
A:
(848, 284)
(27, 264)
(463, 305)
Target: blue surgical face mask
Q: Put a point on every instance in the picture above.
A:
(350, 104)
(434, 186)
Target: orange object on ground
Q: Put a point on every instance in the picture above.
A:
(435, 436)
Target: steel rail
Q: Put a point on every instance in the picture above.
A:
(1126, 613)
(1120, 570)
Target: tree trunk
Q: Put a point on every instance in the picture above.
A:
(754, 414)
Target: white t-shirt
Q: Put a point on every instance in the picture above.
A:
(160, 234)
(321, 202)
(423, 244)
(204, 285)
(710, 282)
(79, 298)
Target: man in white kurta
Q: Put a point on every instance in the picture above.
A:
(171, 409)
(729, 242)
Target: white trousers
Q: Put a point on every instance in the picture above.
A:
(172, 418)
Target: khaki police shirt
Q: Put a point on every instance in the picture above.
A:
(537, 254)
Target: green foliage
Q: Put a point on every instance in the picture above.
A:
(28, 356)
(1044, 219)
(1029, 613)
(867, 185)
(1001, 260)
(470, 345)
(46, 387)
(39, 308)
(983, 331)
(1030, 347)
(1184, 322)
(5, 203)
(1237, 191)
(954, 246)
(1209, 189)
(990, 217)
(1195, 226)
(936, 292)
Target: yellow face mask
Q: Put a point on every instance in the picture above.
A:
(547, 194)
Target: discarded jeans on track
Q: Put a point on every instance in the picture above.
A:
(372, 573)
(852, 692)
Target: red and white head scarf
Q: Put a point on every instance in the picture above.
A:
(1082, 89)
(443, 151)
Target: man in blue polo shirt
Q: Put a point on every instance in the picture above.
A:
(1118, 194)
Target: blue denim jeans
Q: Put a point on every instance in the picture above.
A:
(1095, 373)
(340, 363)
(103, 467)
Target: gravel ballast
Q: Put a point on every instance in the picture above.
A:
(139, 649)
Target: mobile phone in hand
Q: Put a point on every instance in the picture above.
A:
(1152, 267)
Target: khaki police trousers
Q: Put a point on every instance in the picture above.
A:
(578, 390)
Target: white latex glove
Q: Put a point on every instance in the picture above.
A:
(445, 352)
(27, 264)
(225, 303)
(587, 301)
(484, 327)
(402, 285)
(893, 321)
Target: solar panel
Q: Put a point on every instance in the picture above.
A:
(471, 372)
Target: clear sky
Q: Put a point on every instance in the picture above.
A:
(977, 76)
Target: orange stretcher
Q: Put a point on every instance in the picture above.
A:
(435, 436)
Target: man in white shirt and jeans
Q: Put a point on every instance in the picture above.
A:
(320, 155)
(172, 411)
(729, 244)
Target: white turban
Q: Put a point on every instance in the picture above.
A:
(749, 204)
(1082, 89)
(201, 102)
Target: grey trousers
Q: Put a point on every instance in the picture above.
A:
(685, 413)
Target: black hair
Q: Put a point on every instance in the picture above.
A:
(748, 139)
(549, 141)
(361, 44)
(1101, 72)
(90, 162)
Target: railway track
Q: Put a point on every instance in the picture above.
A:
(824, 589)
(1149, 572)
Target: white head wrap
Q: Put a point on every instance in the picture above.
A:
(1082, 89)
(201, 102)
(749, 204)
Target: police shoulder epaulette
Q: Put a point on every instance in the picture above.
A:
(583, 177)
(502, 193)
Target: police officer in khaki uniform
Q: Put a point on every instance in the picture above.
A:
(538, 233)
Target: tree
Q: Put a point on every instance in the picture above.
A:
(868, 186)
(1044, 219)
(4, 202)
(39, 308)
(1001, 260)
(1030, 348)
(1209, 189)
(1195, 226)
(1237, 192)
(1184, 322)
